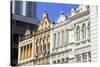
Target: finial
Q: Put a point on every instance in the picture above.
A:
(44, 15)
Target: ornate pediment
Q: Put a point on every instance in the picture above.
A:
(44, 23)
(61, 18)
(29, 31)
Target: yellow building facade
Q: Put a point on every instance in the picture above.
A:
(34, 48)
(42, 41)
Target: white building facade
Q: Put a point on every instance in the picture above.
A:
(74, 38)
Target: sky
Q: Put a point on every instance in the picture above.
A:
(54, 9)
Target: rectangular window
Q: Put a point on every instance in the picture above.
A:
(84, 57)
(78, 58)
(18, 7)
(31, 9)
(89, 56)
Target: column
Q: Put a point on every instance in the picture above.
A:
(87, 57)
(94, 32)
(81, 58)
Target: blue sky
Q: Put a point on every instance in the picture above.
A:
(54, 9)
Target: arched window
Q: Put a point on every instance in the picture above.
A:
(40, 44)
(78, 33)
(54, 62)
(58, 41)
(63, 60)
(88, 30)
(37, 46)
(48, 41)
(48, 38)
(58, 61)
(67, 59)
(63, 37)
(44, 44)
(83, 31)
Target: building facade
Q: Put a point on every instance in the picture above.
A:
(35, 48)
(62, 45)
(42, 41)
(72, 39)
